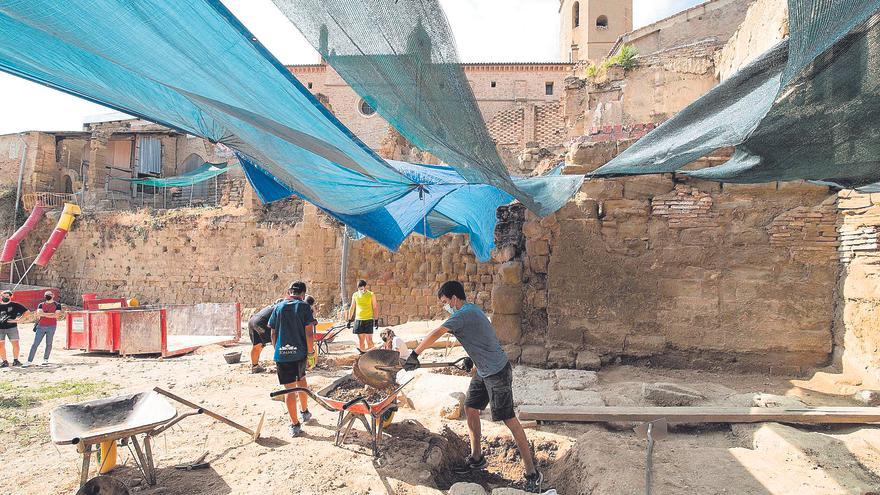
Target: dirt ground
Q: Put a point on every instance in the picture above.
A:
(420, 447)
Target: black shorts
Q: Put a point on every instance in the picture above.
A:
(363, 327)
(495, 389)
(257, 337)
(292, 371)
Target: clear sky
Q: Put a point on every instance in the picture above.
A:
(485, 31)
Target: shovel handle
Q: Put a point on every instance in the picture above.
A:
(458, 363)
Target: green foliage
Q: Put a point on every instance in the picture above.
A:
(17, 396)
(625, 58)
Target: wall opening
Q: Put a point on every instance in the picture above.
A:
(548, 88)
(366, 109)
(576, 15)
(602, 22)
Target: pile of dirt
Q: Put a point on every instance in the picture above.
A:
(352, 389)
(505, 467)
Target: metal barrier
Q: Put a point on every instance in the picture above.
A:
(48, 199)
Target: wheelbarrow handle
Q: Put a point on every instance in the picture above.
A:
(321, 402)
(348, 405)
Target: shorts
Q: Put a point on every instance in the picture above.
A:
(496, 390)
(289, 372)
(12, 333)
(264, 338)
(363, 327)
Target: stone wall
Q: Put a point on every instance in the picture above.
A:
(674, 272)
(858, 326)
(765, 24)
(236, 254)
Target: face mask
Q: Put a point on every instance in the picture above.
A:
(48, 298)
(5, 299)
(449, 309)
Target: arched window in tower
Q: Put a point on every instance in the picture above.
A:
(602, 22)
(576, 14)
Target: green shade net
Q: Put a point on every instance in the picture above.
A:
(400, 56)
(201, 174)
(806, 109)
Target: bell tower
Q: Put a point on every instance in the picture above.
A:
(589, 28)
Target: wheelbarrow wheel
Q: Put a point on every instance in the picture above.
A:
(388, 417)
(103, 485)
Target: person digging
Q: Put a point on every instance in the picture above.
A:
(293, 328)
(258, 330)
(492, 382)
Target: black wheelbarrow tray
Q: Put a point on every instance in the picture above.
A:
(120, 418)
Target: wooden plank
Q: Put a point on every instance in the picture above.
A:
(681, 415)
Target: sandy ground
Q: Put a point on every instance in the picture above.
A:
(421, 446)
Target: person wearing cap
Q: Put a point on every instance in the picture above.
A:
(391, 341)
(48, 314)
(293, 335)
(364, 311)
(10, 314)
(258, 330)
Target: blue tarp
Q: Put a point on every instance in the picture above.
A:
(201, 174)
(191, 65)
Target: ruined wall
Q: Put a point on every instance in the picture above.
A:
(234, 254)
(39, 166)
(858, 326)
(715, 19)
(765, 24)
(675, 272)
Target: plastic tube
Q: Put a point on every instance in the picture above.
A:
(64, 223)
(11, 244)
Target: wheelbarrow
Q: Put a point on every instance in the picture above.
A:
(379, 413)
(121, 418)
(325, 335)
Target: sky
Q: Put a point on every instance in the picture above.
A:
(485, 31)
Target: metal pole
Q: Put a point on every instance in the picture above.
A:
(343, 267)
(649, 464)
(216, 191)
(18, 192)
(190, 195)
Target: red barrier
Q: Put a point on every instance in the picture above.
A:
(11, 244)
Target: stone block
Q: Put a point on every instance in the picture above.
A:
(749, 189)
(670, 394)
(568, 379)
(466, 489)
(851, 200)
(507, 299)
(535, 355)
(561, 358)
(510, 272)
(624, 207)
(538, 247)
(507, 327)
(438, 394)
(647, 186)
(513, 352)
(578, 398)
(590, 155)
(533, 230)
(799, 187)
(588, 360)
(538, 264)
(602, 189)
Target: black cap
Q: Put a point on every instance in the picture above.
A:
(297, 287)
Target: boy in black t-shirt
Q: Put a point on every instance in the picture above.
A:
(293, 328)
(10, 314)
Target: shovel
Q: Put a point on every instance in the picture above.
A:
(378, 368)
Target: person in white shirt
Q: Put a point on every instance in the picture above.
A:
(395, 343)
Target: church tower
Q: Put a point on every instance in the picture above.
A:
(589, 28)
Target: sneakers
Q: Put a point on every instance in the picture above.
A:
(16, 362)
(256, 368)
(45, 362)
(306, 416)
(4, 364)
(534, 482)
(27, 364)
(471, 464)
(295, 430)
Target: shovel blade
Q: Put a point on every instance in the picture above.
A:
(377, 368)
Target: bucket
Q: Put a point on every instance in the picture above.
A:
(232, 357)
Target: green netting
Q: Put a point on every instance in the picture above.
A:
(400, 56)
(806, 109)
(201, 174)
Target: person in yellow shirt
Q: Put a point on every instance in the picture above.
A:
(364, 311)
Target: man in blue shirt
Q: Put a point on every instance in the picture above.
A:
(293, 327)
(491, 384)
